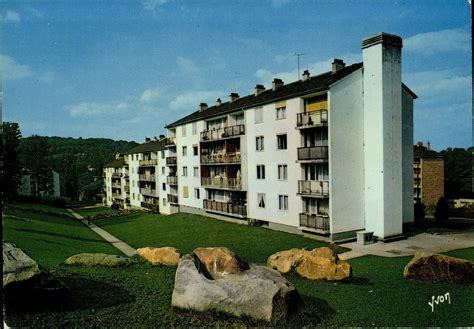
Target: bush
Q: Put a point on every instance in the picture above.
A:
(115, 206)
(442, 210)
(59, 203)
(419, 211)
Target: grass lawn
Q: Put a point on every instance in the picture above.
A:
(140, 295)
(84, 212)
(43, 207)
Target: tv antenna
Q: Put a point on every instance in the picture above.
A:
(298, 55)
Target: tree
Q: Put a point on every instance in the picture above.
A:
(458, 172)
(34, 153)
(11, 171)
(442, 210)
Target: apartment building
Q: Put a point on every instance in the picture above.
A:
(428, 175)
(116, 186)
(329, 154)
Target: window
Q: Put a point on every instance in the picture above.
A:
(133, 170)
(133, 196)
(162, 154)
(163, 186)
(259, 143)
(196, 171)
(261, 200)
(183, 131)
(185, 192)
(195, 150)
(185, 150)
(195, 128)
(196, 193)
(163, 170)
(259, 114)
(260, 171)
(281, 142)
(280, 112)
(185, 171)
(282, 172)
(283, 202)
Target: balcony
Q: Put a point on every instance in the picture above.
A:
(126, 188)
(150, 206)
(116, 175)
(416, 172)
(313, 154)
(169, 142)
(147, 177)
(171, 161)
(148, 163)
(316, 222)
(312, 119)
(115, 185)
(221, 158)
(172, 180)
(313, 188)
(222, 133)
(117, 196)
(148, 192)
(172, 198)
(227, 208)
(221, 182)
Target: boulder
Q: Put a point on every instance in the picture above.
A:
(17, 266)
(218, 262)
(317, 264)
(157, 256)
(439, 268)
(86, 259)
(258, 292)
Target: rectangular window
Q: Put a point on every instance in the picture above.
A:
(163, 186)
(162, 154)
(133, 196)
(282, 172)
(260, 171)
(195, 128)
(196, 171)
(261, 200)
(259, 115)
(283, 202)
(163, 170)
(185, 192)
(281, 142)
(280, 112)
(185, 150)
(185, 171)
(183, 130)
(259, 143)
(196, 193)
(195, 150)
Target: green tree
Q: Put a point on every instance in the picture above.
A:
(11, 171)
(458, 172)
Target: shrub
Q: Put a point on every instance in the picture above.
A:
(59, 203)
(419, 211)
(442, 210)
(115, 206)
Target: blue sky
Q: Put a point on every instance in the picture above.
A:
(125, 69)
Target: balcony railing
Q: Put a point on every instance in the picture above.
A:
(148, 192)
(227, 132)
(319, 153)
(126, 188)
(148, 162)
(116, 175)
(313, 188)
(311, 119)
(221, 182)
(172, 180)
(150, 206)
(171, 161)
(172, 198)
(221, 158)
(225, 207)
(169, 142)
(116, 185)
(117, 196)
(315, 221)
(147, 178)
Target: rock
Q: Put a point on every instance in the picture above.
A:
(439, 268)
(259, 292)
(17, 266)
(218, 262)
(164, 255)
(317, 264)
(97, 259)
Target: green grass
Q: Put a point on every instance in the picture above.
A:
(50, 239)
(43, 207)
(140, 295)
(84, 212)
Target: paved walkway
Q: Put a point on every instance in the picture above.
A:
(411, 245)
(120, 245)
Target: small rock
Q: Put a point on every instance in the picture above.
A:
(219, 261)
(285, 261)
(87, 259)
(157, 256)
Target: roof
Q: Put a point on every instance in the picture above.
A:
(420, 151)
(116, 163)
(313, 84)
(404, 86)
(146, 147)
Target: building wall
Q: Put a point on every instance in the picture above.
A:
(346, 154)
(135, 197)
(432, 181)
(407, 154)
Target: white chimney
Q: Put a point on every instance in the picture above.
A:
(259, 89)
(277, 83)
(337, 64)
(202, 107)
(218, 102)
(305, 75)
(233, 97)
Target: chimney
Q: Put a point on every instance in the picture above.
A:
(337, 64)
(233, 97)
(277, 83)
(218, 102)
(305, 75)
(147, 139)
(155, 139)
(428, 146)
(386, 138)
(202, 107)
(259, 89)
(162, 137)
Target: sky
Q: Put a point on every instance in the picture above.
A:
(125, 69)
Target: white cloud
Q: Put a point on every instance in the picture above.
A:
(11, 70)
(439, 41)
(153, 4)
(91, 109)
(189, 101)
(10, 16)
(152, 95)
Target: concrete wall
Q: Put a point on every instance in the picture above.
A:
(407, 149)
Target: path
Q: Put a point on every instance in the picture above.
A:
(120, 245)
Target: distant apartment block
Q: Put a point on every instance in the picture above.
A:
(428, 175)
(29, 186)
(329, 154)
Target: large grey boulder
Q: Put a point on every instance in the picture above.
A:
(17, 266)
(98, 259)
(259, 292)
